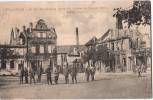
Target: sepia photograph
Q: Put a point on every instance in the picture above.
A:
(75, 49)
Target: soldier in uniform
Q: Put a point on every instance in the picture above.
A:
(56, 75)
(92, 72)
(21, 74)
(32, 75)
(26, 75)
(66, 72)
(87, 72)
(74, 72)
(39, 74)
(48, 73)
(139, 70)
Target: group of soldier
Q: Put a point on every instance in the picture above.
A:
(53, 74)
(68, 70)
(25, 74)
(141, 69)
(49, 73)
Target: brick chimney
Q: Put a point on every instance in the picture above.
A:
(12, 37)
(31, 26)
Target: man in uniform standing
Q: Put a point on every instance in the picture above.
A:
(21, 74)
(32, 75)
(26, 75)
(139, 70)
(48, 73)
(66, 72)
(56, 75)
(40, 71)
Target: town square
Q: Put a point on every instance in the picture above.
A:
(75, 50)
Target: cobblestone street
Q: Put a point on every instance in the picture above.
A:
(106, 85)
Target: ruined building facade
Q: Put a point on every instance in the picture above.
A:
(128, 47)
(33, 46)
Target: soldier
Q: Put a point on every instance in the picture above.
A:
(87, 73)
(92, 73)
(26, 75)
(39, 74)
(32, 75)
(74, 72)
(21, 74)
(139, 70)
(66, 72)
(48, 73)
(56, 75)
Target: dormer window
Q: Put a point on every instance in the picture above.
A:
(22, 39)
(41, 25)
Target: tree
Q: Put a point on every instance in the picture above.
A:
(101, 53)
(96, 53)
(140, 13)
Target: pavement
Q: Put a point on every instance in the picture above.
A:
(106, 85)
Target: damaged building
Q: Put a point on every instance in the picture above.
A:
(33, 46)
(128, 47)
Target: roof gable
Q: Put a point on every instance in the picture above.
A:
(92, 41)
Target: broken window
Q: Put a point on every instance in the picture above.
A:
(37, 49)
(112, 46)
(12, 64)
(3, 64)
(22, 39)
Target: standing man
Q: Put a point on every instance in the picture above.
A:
(66, 72)
(56, 75)
(143, 67)
(74, 72)
(40, 71)
(32, 75)
(21, 74)
(26, 75)
(87, 72)
(139, 70)
(48, 73)
(92, 72)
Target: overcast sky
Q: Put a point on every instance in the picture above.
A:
(92, 18)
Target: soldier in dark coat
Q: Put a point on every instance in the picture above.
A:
(32, 75)
(40, 71)
(87, 72)
(21, 74)
(56, 75)
(66, 72)
(139, 70)
(92, 72)
(74, 72)
(48, 73)
(26, 75)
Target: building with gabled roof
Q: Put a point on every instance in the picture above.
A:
(123, 44)
(34, 46)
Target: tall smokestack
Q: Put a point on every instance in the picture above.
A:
(31, 26)
(77, 38)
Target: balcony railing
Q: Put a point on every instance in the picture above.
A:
(39, 56)
(42, 40)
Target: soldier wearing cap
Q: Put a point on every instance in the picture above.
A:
(56, 75)
(32, 75)
(48, 73)
(26, 75)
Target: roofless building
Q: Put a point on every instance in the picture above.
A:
(34, 46)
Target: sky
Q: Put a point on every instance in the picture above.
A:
(93, 18)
